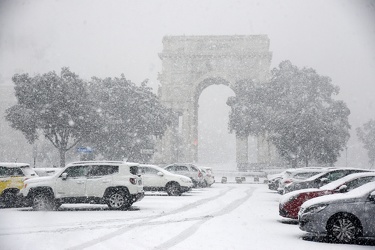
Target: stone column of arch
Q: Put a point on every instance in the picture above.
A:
(192, 63)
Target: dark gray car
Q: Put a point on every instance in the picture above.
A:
(343, 217)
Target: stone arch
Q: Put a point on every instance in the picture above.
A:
(192, 63)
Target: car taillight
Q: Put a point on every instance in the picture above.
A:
(24, 185)
(288, 181)
(199, 174)
(133, 181)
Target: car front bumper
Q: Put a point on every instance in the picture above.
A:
(312, 223)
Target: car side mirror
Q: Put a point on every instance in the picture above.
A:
(64, 176)
(160, 174)
(343, 189)
(372, 196)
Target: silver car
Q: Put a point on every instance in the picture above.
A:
(187, 169)
(343, 217)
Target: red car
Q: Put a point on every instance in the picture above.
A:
(290, 203)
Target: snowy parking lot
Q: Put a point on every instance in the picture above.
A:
(225, 216)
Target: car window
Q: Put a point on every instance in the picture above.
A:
(133, 170)
(77, 171)
(170, 168)
(194, 169)
(305, 175)
(102, 170)
(8, 172)
(359, 182)
(150, 171)
(182, 168)
(332, 176)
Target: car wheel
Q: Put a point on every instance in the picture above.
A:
(204, 184)
(9, 199)
(118, 200)
(343, 228)
(42, 201)
(173, 189)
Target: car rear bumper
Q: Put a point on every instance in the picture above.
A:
(138, 197)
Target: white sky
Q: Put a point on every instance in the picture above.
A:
(107, 38)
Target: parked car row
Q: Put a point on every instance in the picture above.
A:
(280, 180)
(115, 183)
(301, 178)
(339, 203)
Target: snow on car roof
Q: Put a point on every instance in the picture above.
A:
(355, 193)
(13, 164)
(285, 197)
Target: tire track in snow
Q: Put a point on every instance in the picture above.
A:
(129, 227)
(194, 228)
(105, 224)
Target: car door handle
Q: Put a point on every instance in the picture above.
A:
(80, 182)
(106, 181)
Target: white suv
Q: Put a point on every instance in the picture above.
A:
(113, 183)
(158, 179)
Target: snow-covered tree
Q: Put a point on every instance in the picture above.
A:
(249, 109)
(297, 112)
(366, 134)
(56, 106)
(132, 116)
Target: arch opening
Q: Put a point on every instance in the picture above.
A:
(216, 146)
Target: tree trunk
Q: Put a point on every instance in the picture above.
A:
(62, 157)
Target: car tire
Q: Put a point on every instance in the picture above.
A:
(43, 201)
(173, 189)
(343, 228)
(204, 184)
(118, 200)
(10, 199)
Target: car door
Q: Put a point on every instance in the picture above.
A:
(99, 178)
(183, 170)
(75, 183)
(151, 179)
(369, 216)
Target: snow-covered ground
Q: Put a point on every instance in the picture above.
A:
(225, 216)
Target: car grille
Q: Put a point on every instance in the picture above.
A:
(282, 211)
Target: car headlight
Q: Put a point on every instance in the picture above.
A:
(314, 208)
